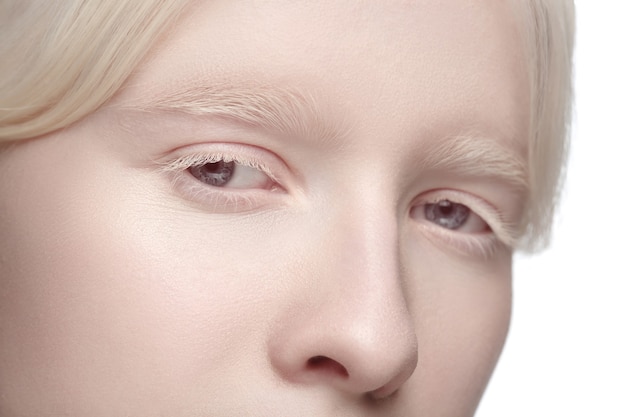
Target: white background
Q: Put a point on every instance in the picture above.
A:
(566, 353)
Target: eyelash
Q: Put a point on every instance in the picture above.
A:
(224, 199)
(475, 244)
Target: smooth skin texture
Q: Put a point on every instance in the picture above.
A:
(316, 283)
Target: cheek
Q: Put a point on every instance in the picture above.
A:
(101, 279)
(462, 312)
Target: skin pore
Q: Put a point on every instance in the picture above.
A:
(259, 222)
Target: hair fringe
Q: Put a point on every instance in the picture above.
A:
(63, 59)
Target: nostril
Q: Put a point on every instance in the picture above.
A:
(326, 365)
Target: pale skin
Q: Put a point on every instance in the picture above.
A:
(316, 281)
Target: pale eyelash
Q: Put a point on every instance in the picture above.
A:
(198, 159)
(502, 233)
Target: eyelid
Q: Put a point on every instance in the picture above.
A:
(197, 155)
(222, 199)
(501, 229)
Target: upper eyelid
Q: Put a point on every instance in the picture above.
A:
(197, 159)
(199, 154)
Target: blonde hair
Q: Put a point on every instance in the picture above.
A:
(551, 45)
(60, 60)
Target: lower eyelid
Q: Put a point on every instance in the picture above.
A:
(217, 200)
(483, 245)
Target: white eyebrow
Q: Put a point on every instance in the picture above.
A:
(477, 156)
(288, 111)
(292, 112)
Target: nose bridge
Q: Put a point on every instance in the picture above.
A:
(365, 245)
(360, 259)
(369, 267)
(371, 302)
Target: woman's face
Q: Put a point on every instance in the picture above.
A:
(291, 209)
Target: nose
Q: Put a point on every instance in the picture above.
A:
(350, 327)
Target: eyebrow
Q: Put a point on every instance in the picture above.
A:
(292, 112)
(288, 111)
(475, 155)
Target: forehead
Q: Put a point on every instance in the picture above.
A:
(420, 67)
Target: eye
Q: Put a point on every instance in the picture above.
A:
(451, 215)
(462, 221)
(230, 178)
(231, 174)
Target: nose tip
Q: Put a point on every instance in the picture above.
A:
(364, 353)
(379, 359)
(402, 374)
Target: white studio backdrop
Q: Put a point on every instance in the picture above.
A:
(566, 353)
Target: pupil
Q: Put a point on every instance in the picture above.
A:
(214, 167)
(445, 208)
(447, 214)
(214, 173)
